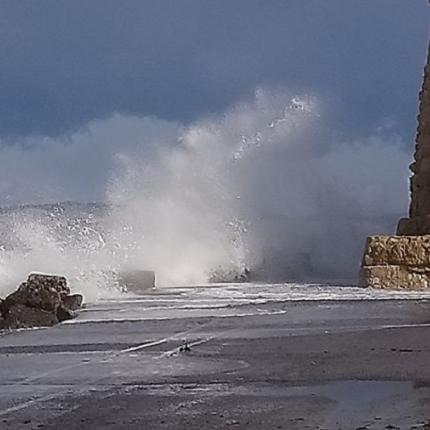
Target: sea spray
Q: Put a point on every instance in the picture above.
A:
(266, 187)
(193, 207)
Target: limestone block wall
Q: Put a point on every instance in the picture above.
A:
(396, 262)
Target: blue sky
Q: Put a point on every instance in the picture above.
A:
(64, 63)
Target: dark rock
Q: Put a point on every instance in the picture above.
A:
(221, 275)
(58, 283)
(43, 300)
(33, 295)
(39, 291)
(21, 316)
(64, 314)
(72, 302)
(137, 281)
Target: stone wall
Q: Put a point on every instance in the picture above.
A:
(396, 262)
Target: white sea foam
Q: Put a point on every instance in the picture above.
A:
(231, 300)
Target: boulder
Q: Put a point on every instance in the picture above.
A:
(58, 283)
(43, 300)
(73, 302)
(21, 316)
(34, 295)
(64, 314)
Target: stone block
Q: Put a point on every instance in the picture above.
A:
(395, 277)
(419, 225)
(73, 302)
(137, 281)
(397, 251)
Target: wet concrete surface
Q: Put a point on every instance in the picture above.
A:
(252, 365)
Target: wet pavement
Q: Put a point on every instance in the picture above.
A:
(256, 360)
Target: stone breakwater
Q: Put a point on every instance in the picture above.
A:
(41, 301)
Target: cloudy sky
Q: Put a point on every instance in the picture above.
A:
(65, 62)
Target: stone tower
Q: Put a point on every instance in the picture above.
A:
(418, 222)
(403, 261)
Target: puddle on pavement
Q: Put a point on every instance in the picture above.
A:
(355, 405)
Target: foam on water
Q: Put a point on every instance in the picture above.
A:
(227, 300)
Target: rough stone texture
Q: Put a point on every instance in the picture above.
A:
(395, 277)
(418, 222)
(396, 262)
(64, 314)
(42, 300)
(59, 283)
(34, 296)
(397, 251)
(73, 302)
(21, 316)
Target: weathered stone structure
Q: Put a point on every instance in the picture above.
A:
(418, 222)
(403, 261)
(396, 262)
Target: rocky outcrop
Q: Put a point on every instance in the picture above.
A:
(43, 300)
(396, 262)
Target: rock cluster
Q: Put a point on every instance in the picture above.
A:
(396, 262)
(43, 300)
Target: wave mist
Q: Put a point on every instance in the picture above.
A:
(266, 187)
